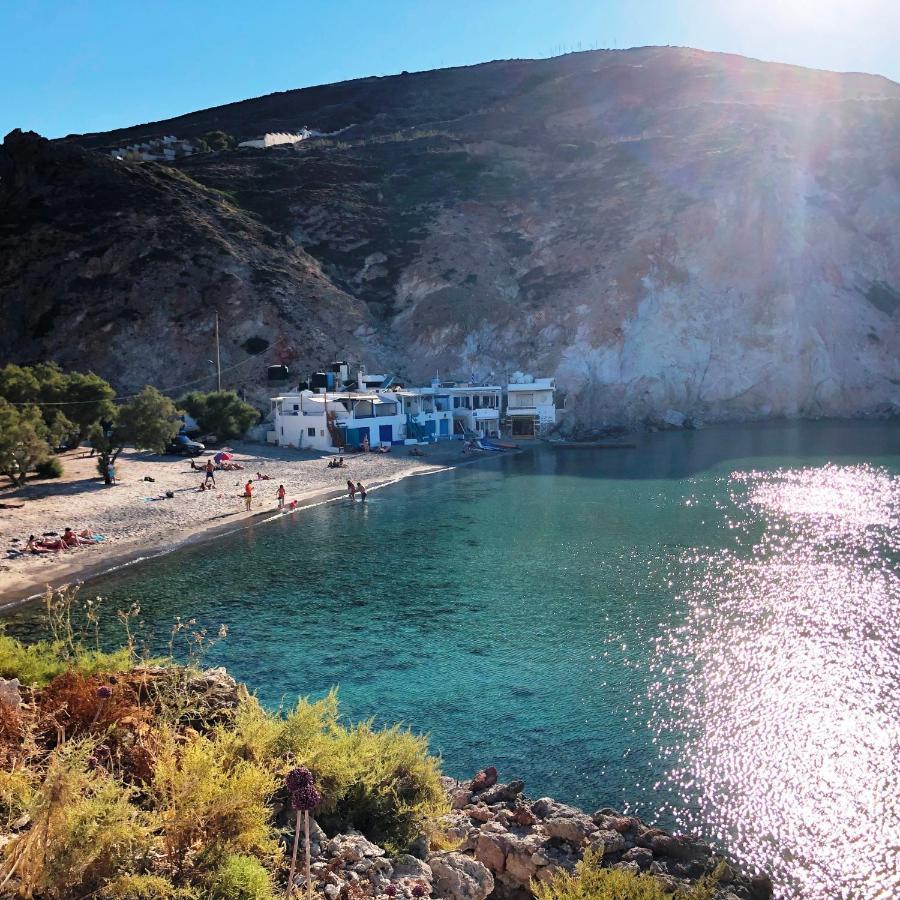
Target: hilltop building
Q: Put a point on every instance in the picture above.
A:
(278, 139)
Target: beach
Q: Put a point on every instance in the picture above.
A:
(137, 519)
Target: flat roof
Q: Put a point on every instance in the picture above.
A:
(537, 384)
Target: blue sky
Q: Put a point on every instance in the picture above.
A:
(91, 65)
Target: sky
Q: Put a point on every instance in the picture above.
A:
(74, 66)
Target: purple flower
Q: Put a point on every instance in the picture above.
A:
(104, 692)
(298, 778)
(305, 797)
(419, 890)
(391, 890)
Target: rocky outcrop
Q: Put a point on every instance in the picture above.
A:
(505, 842)
(675, 235)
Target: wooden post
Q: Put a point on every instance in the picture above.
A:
(290, 884)
(306, 848)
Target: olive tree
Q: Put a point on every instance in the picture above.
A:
(221, 413)
(147, 421)
(23, 441)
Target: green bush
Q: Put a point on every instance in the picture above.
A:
(206, 799)
(85, 829)
(145, 887)
(49, 468)
(241, 878)
(592, 882)
(380, 781)
(221, 413)
(39, 663)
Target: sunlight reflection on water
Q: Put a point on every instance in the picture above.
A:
(781, 701)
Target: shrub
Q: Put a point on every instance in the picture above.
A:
(382, 782)
(206, 800)
(16, 793)
(222, 413)
(241, 878)
(84, 830)
(145, 887)
(76, 704)
(49, 468)
(39, 663)
(592, 882)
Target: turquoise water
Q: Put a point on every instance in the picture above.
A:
(703, 631)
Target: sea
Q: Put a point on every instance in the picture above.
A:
(703, 631)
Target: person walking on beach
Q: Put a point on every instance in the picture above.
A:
(351, 489)
(280, 495)
(361, 490)
(248, 494)
(210, 472)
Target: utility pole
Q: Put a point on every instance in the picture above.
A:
(218, 358)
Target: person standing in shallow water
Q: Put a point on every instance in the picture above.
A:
(361, 490)
(248, 494)
(351, 489)
(280, 495)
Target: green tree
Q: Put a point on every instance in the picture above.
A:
(218, 140)
(221, 413)
(23, 443)
(148, 422)
(70, 402)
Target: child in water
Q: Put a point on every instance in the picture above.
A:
(361, 490)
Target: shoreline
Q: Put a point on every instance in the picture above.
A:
(26, 588)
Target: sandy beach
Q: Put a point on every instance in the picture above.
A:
(138, 520)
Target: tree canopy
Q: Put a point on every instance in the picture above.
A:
(23, 441)
(147, 421)
(221, 413)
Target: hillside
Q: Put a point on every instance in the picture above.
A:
(659, 228)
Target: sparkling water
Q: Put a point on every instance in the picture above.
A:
(704, 631)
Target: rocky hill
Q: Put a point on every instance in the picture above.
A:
(660, 228)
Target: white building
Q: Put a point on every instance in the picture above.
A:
(429, 413)
(330, 421)
(531, 407)
(278, 138)
(476, 409)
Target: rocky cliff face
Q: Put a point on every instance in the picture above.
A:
(659, 228)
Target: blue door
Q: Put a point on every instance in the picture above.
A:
(355, 436)
(445, 427)
(385, 433)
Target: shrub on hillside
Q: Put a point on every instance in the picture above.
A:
(85, 829)
(49, 468)
(380, 781)
(591, 881)
(145, 887)
(241, 878)
(207, 800)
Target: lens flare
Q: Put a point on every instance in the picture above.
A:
(779, 705)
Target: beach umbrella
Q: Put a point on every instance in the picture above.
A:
(221, 457)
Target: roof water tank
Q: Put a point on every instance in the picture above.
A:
(278, 373)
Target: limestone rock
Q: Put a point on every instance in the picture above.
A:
(484, 779)
(10, 693)
(352, 847)
(459, 877)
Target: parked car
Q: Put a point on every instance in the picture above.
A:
(184, 446)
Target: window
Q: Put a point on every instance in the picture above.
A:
(310, 432)
(521, 399)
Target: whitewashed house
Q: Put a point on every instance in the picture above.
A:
(429, 412)
(476, 409)
(330, 421)
(530, 407)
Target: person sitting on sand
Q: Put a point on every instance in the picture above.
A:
(73, 540)
(35, 546)
(202, 487)
(351, 489)
(260, 477)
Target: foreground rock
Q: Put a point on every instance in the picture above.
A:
(504, 841)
